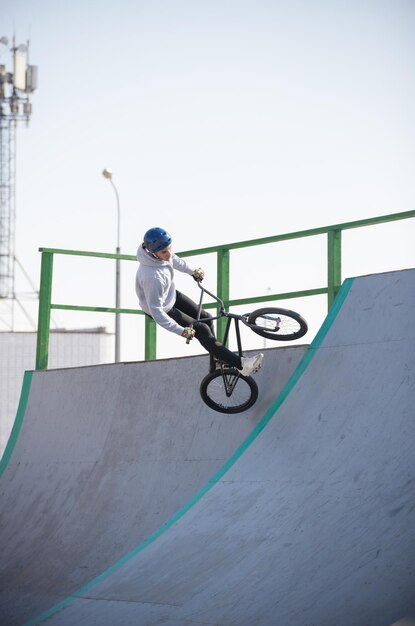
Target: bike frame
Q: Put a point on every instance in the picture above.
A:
(222, 313)
(231, 375)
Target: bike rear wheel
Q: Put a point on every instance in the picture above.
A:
(277, 324)
(227, 391)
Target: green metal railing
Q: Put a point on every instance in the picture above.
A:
(334, 256)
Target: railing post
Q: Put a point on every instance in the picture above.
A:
(334, 271)
(150, 339)
(45, 296)
(222, 285)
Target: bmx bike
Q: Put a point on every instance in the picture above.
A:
(225, 389)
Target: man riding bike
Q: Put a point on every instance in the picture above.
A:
(173, 310)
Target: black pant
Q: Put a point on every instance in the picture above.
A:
(185, 312)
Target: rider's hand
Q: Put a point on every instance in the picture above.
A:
(189, 333)
(198, 274)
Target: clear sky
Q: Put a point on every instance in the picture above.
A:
(222, 120)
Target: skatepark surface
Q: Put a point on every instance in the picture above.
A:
(124, 500)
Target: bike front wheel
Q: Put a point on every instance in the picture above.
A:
(227, 391)
(277, 324)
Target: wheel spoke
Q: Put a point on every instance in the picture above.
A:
(278, 324)
(275, 323)
(219, 393)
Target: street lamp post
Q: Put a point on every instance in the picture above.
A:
(107, 173)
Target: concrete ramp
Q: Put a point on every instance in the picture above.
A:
(312, 520)
(99, 458)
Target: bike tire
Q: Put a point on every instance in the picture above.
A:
(292, 325)
(213, 393)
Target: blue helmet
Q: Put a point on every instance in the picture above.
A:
(156, 239)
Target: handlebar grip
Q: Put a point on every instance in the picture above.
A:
(190, 336)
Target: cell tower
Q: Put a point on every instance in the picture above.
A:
(15, 107)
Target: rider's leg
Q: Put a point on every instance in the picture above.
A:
(214, 347)
(185, 312)
(247, 364)
(186, 305)
(204, 334)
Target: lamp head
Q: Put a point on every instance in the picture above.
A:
(107, 173)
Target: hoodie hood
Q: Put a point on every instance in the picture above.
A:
(146, 258)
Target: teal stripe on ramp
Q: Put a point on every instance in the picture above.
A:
(302, 366)
(21, 409)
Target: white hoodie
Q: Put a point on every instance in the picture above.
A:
(155, 287)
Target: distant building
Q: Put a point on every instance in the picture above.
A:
(67, 348)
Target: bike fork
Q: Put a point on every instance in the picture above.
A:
(229, 381)
(238, 338)
(238, 334)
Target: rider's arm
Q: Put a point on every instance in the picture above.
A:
(181, 265)
(155, 293)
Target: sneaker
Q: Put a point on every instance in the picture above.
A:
(251, 364)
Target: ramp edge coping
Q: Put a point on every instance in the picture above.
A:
(21, 410)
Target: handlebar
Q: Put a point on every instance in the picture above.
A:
(203, 291)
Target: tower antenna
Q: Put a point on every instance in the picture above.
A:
(16, 86)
